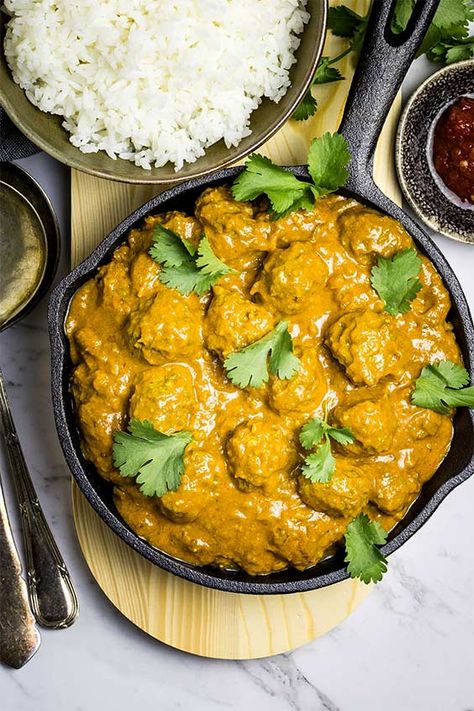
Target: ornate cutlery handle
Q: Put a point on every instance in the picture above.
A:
(51, 592)
(19, 637)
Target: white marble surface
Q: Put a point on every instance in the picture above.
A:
(408, 647)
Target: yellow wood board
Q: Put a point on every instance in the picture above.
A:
(186, 616)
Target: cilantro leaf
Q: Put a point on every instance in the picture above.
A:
(452, 52)
(306, 108)
(396, 280)
(156, 459)
(208, 263)
(261, 176)
(184, 278)
(451, 21)
(344, 22)
(312, 433)
(325, 73)
(342, 435)
(169, 249)
(249, 366)
(181, 267)
(327, 160)
(401, 14)
(441, 387)
(328, 157)
(320, 465)
(283, 363)
(364, 559)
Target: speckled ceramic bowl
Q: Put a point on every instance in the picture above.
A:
(45, 130)
(431, 200)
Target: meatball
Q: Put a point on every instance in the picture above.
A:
(233, 228)
(373, 423)
(367, 233)
(144, 273)
(344, 495)
(258, 449)
(302, 393)
(365, 344)
(351, 286)
(99, 421)
(115, 287)
(298, 226)
(166, 327)
(303, 541)
(233, 322)
(198, 488)
(291, 277)
(394, 490)
(432, 301)
(164, 395)
(424, 423)
(186, 226)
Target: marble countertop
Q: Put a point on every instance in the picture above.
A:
(408, 646)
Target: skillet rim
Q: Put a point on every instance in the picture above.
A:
(312, 578)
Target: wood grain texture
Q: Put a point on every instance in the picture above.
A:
(186, 616)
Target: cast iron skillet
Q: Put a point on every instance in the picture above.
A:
(384, 62)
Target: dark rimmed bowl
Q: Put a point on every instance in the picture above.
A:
(34, 195)
(457, 466)
(423, 188)
(46, 132)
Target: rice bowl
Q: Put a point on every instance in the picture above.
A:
(153, 91)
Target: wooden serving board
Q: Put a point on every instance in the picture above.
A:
(186, 616)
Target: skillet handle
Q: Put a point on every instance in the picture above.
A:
(384, 61)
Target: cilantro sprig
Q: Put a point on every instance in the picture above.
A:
(320, 465)
(182, 266)
(396, 280)
(328, 157)
(441, 387)
(154, 458)
(250, 365)
(446, 40)
(344, 23)
(364, 559)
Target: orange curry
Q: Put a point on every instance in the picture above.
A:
(141, 349)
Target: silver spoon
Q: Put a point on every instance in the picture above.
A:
(19, 637)
(28, 256)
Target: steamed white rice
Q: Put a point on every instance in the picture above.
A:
(153, 81)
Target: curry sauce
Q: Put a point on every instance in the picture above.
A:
(141, 349)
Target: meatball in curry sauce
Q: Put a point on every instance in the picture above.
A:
(141, 349)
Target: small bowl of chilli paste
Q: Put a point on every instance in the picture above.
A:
(435, 151)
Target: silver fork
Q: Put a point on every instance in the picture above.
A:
(52, 595)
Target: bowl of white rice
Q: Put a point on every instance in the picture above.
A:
(153, 91)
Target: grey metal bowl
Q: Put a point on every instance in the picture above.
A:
(46, 132)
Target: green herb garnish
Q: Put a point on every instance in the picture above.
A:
(250, 367)
(320, 465)
(328, 157)
(446, 41)
(447, 37)
(156, 459)
(344, 23)
(441, 387)
(182, 267)
(453, 51)
(396, 280)
(364, 559)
